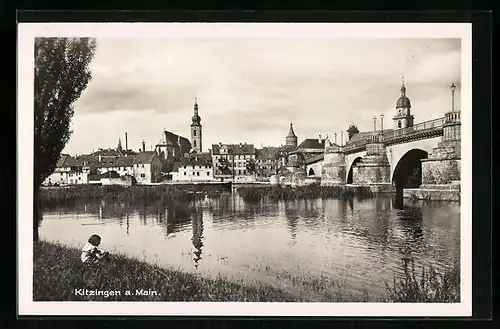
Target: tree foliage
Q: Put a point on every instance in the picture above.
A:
(61, 74)
(353, 129)
(223, 166)
(251, 166)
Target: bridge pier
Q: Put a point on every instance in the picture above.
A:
(297, 168)
(374, 168)
(333, 171)
(441, 170)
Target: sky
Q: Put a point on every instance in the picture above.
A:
(249, 90)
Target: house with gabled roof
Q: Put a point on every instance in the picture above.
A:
(172, 145)
(230, 160)
(193, 168)
(268, 160)
(68, 171)
(146, 167)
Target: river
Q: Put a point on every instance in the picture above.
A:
(358, 242)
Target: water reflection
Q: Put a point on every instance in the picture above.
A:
(292, 218)
(197, 224)
(361, 241)
(178, 216)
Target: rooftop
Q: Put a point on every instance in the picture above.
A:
(121, 161)
(268, 153)
(312, 143)
(143, 157)
(236, 148)
(194, 161)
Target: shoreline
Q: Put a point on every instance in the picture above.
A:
(59, 275)
(248, 191)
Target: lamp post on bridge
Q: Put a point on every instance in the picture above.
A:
(374, 124)
(382, 123)
(453, 87)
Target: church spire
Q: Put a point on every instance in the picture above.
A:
(403, 88)
(196, 118)
(291, 133)
(119, 144)
(196, 129)
(291, 139)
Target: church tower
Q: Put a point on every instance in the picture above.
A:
(403, 117)
(196, 131)
(119, 147)
(291, 139)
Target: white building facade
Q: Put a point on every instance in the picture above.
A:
(193, 170)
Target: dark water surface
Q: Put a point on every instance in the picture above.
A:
(361, 243)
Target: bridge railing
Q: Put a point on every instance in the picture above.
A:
(426, 125)
(422, 126)
(357, 144)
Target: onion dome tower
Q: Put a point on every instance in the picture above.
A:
(196, 129)
(403, 117)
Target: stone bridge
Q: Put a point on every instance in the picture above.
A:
(424, 154)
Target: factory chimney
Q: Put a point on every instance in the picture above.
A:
(143, 146)
(126, 142)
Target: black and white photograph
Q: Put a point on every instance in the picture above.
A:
(245, 169)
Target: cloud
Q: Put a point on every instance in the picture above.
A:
(250, 89)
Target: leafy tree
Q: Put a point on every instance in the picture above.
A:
(61, 74)
(224, 166)
(250, 166)
(353, 129)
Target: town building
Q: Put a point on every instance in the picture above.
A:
(310, 147)
(193, 168)
(123, 165)
(231, 160)
(196, 130)
(268, 160)
(147, 167)
(172, 145)
(68, 171)
(113, 178)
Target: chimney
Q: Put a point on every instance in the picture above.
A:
(126, 142)
(143, 146)
(319, 139)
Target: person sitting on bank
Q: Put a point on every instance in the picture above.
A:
(91, 253)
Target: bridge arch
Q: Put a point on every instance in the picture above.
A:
(356, 160)
(407, 172)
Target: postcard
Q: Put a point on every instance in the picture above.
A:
(245, 169)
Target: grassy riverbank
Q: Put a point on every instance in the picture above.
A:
(276, 192)
(57, 272)
(139, 193)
